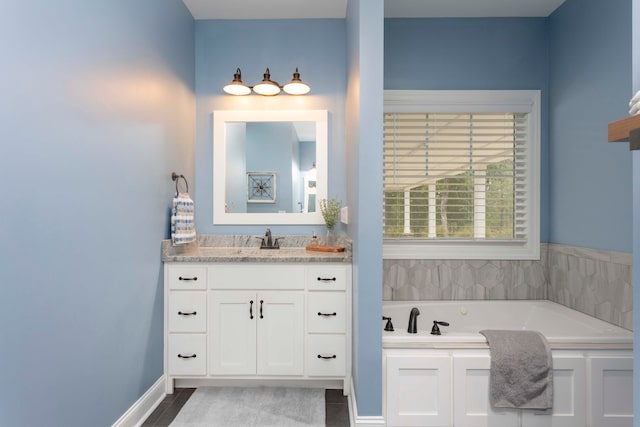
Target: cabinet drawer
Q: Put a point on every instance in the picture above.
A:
(187, 277)
(187, 311)
(326, 312)
(187, 354)
(327, 278)
(256, 277)
(326, 355)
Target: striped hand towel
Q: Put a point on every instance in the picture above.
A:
(183, 226)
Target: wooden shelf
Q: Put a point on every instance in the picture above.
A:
(626, 130)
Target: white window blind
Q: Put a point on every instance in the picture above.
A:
(455, 176)
(461, 174)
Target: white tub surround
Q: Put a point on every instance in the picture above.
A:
(245, 316)
(444, 380)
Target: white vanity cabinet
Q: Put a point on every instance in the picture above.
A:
(445, 387)
(256, 333)
(258, 321)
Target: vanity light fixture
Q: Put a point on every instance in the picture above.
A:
(267, 87)
(236, 87)
(296, 86)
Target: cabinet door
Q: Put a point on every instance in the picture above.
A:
(280, 333)
(569, 396)
(327, 278)
(187, 311)
(418, 391)
(186, 354)
(232, 341)
(471, 395)
(181, 277)
(326, 355)
(611, 391)
(326, 312)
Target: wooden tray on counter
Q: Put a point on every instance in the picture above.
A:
(323, 248)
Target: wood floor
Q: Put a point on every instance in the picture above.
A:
(336, 407)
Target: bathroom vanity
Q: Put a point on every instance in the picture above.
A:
(241, 315)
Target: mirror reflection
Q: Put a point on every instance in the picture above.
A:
(271, 167)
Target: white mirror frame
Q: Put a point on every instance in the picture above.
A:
(220, 118)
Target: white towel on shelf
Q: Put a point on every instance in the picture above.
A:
(183, 226)
(634, 104)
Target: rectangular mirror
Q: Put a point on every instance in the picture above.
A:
(270, 166)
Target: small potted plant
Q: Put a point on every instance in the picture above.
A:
(330, 210)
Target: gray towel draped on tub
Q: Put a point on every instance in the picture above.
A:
(521, 369)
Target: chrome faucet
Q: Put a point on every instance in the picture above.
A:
(413, 321)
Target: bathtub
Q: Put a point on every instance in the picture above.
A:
(442, 380)
(562, 326)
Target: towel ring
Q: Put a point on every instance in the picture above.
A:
(175, 176)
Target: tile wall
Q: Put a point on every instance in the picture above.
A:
(592, 281)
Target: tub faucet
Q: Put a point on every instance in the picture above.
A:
(413, 321)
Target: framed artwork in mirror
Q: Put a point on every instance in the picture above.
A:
(261, 187)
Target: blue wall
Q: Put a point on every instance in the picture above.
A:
(316, 46)
(97, 110)
(473, 54)
(591, 182)
(364, 154)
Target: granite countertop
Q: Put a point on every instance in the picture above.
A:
(246, 249)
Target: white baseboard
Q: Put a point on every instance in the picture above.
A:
(144, 406)
(361, 421)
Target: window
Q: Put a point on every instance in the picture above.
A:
(461, 172)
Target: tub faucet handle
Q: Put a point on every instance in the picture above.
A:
(389, 325)
(436, 330)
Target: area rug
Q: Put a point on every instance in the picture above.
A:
(253, 407)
